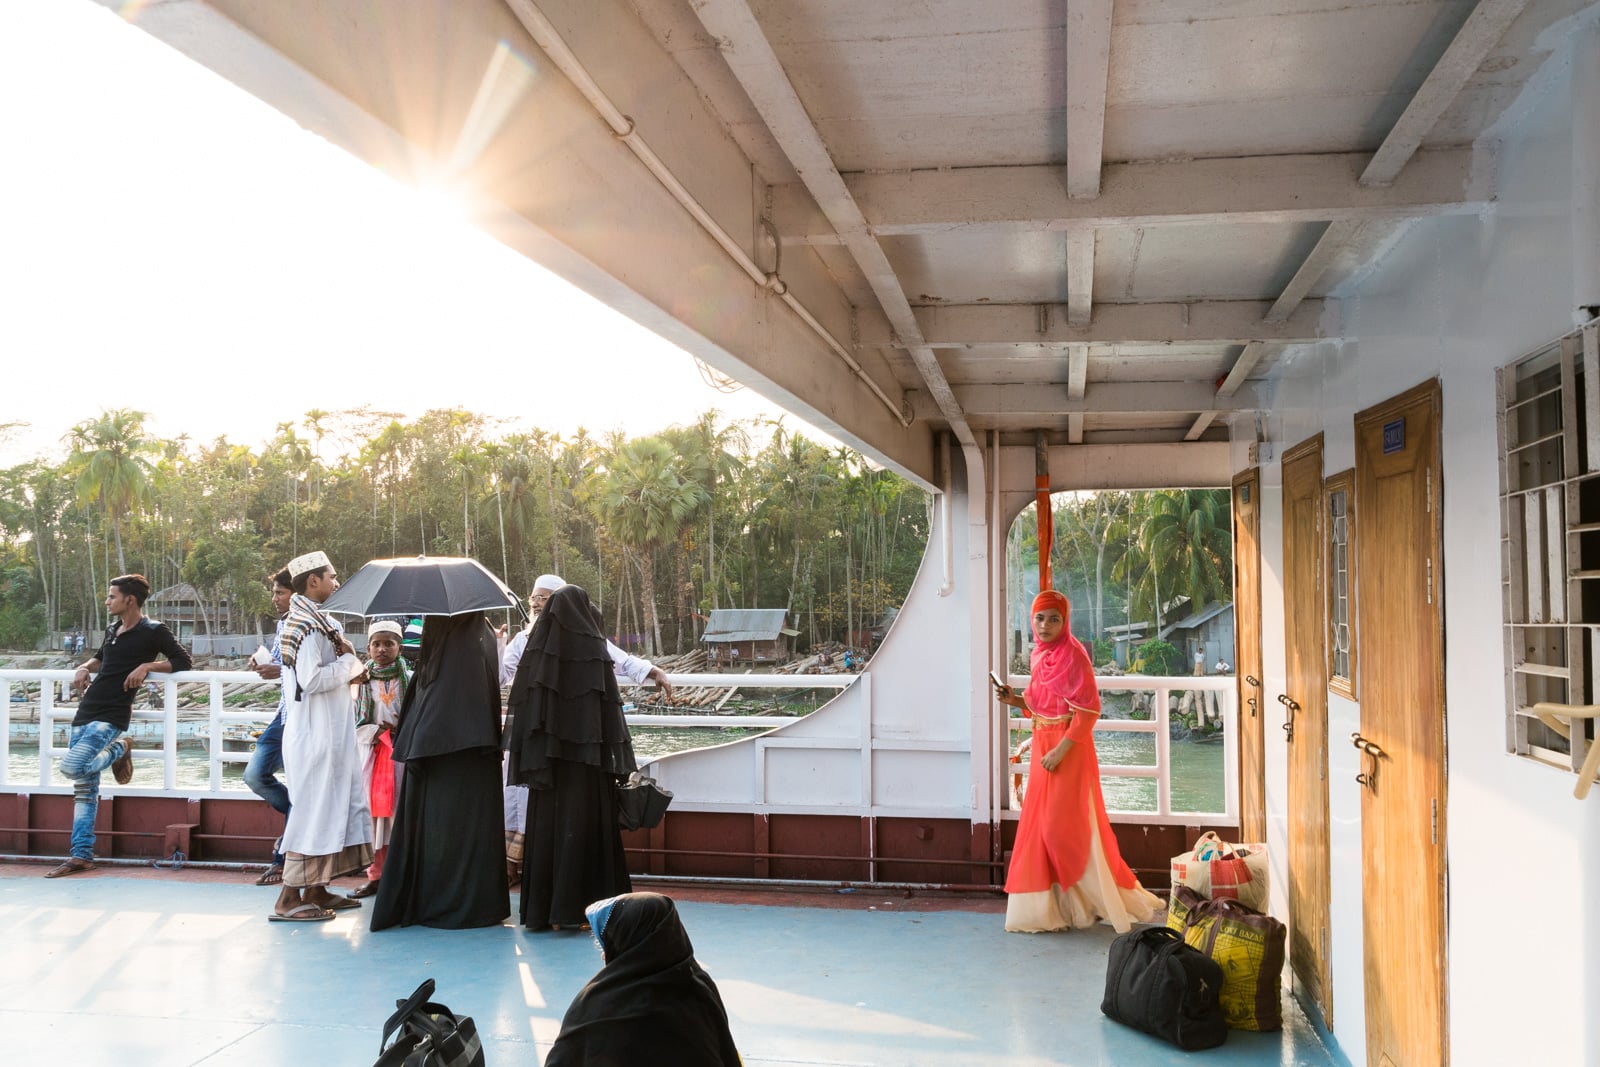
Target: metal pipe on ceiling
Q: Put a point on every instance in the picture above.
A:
(555, 47)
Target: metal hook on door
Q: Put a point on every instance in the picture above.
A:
(1367, 778)
(1288, 723)
(1251, 700)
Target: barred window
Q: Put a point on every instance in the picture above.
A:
(1549, 428)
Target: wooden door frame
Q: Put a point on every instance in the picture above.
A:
(1247, 662)
(1319, 663)
(1429, 392)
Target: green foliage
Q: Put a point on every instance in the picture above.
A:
(1159, 657)
(22, 618)
(659, 529)
(1102, 650)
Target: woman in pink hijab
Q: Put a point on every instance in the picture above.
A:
(1066, 870)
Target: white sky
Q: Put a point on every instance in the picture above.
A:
(172, 244)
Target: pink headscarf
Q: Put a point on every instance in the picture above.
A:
(1063, 677)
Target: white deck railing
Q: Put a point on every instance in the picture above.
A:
(1159, 724)
(54, 712)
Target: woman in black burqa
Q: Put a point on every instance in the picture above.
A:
(569, 745)
(651, 1002)
(447, 855)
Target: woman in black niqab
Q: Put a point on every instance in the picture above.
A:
(651, 1003)
(446, 865)
(569, 745)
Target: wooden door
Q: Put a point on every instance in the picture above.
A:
(1303, 709)
(1400, 612)
(1247, 654)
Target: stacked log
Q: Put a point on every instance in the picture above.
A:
(649, 698)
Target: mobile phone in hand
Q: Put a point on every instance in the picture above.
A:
(1000, 687)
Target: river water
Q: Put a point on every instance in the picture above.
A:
(1197, 768)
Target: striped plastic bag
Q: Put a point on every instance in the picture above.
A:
(1221, 871)
(1247, 946)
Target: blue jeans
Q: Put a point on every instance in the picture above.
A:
(260, 774)
(94, 748)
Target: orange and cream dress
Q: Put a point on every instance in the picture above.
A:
(1066, 871)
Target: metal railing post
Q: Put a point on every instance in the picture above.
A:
(47, 730)
(214, 739)
(169, 730)
(1163, 753)
(5, 735)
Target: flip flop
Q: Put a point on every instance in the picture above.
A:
(271, 876)
(338, 903)
(364, 890)
(304, 913)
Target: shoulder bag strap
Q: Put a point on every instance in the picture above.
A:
(405, 1009)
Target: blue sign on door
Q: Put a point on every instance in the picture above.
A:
(1394, 436)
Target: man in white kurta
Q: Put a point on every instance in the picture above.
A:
(329, 831)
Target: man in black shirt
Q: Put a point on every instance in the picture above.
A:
(127, 655)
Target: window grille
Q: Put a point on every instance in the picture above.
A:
(1549, 427)
(1338, 496)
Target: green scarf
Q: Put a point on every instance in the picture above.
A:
(366, 703)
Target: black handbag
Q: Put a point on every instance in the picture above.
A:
(1158, 984)
(641, 803)
(428, 1035)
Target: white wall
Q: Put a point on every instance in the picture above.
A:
(1457, 298)
(898, 741)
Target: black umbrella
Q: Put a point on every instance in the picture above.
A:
(422, 585)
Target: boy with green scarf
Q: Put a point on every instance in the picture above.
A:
(379, 693)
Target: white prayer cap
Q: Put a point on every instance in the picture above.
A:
(387, 626)
(311, 561)
(548, 583)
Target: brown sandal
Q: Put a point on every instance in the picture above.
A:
(73, 865)
(271, 876)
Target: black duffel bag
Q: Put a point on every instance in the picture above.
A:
(1158, 984)
(428, 1035)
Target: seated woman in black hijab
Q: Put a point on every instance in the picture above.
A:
(651, 1003)
(569, 745)
(447, 859)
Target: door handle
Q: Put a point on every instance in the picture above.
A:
(1288, 723)
(1251, 700)
(1369, 750)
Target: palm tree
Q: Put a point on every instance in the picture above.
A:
(1181, 547)
(112, 465)
(644, 501)
(712, 458)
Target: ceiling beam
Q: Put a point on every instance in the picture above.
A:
(1080, 276)
(1077, 380)
(1334, 238)
(1202, 422)
(1471, 46)
(1107, 398)
(1088, 67)
(749, 55)
(1077, 370)
(1466, 52)
(1208, 322)
(1241, 368)
(1260, 189)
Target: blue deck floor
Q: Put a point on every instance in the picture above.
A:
(140, 967)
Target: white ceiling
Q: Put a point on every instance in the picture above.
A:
(958, 128)
(1108, 220)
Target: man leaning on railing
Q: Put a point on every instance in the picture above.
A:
(127, 655)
